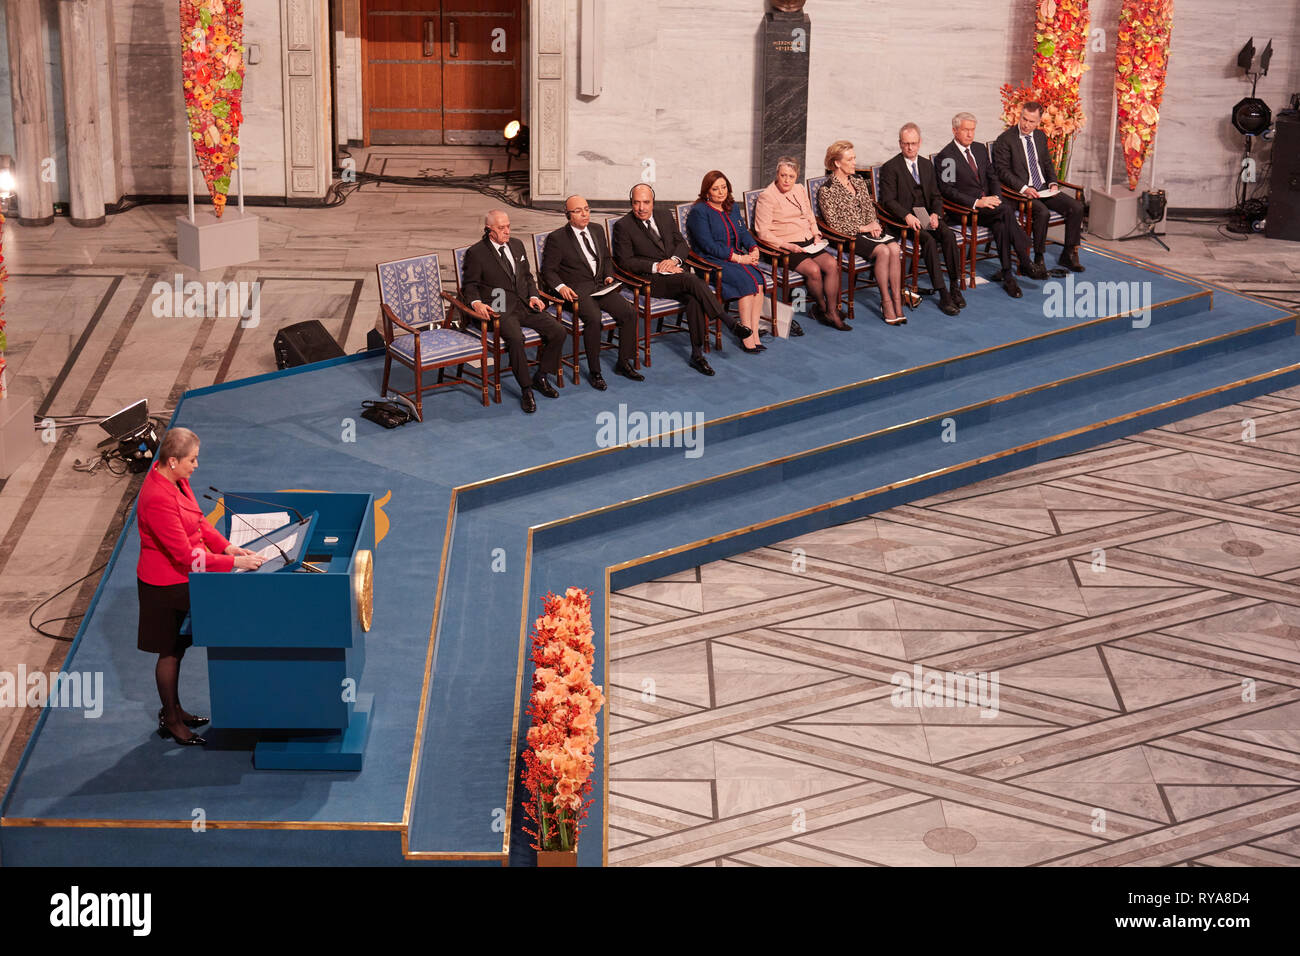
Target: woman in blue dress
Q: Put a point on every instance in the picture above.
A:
(718, 236)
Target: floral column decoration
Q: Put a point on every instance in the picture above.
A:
(562, 739)
(1060, 42)
(212, 64)
(1141, 60)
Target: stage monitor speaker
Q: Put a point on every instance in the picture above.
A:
(1283, 220)
(303, 343)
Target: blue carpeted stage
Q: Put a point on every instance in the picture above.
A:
(480, 512)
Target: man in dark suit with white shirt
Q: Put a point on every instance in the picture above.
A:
(496, 278)
(647, 244)
(1023, 164)
(908, 182)
(966, 177)
(575, 264)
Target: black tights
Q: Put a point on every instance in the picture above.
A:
(814, 271)
(167, 674)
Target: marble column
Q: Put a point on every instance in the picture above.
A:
(786, 38)
(33, 160)
(308, 157)
(547, 105)
(81, 113)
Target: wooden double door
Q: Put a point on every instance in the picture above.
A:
(441, 71)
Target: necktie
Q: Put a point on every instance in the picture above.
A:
(915, 176)
(505, 260)
(1035, 177)
(970, 158)
(586, 241)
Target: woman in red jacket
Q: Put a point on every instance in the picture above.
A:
(175, 539)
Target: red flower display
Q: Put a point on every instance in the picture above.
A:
(562, 740)
(1060, 42)
(212, 66)
(1141, 60)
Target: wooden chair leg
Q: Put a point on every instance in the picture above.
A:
(388, 365)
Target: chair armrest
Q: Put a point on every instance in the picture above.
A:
(902, 227)
(1078, 190)
(1017, 197)
(628, 279)
(955, 207)
(695, 262)
(546, 297)
(461, 307)
(391, 316)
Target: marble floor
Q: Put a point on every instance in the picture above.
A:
(86, 338)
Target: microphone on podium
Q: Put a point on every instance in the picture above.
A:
(247, 524)
(273, 504)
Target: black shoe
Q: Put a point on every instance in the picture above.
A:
(958, 299)
(627, 371)
(1033, 270)
(190, 722)
(946, 305)
(193, 740)
(527, 402)
(741, 332)
(1070, 260)
(1012, 287)
(701, 365)
(546, 388)
(597, 381)
(796, 329)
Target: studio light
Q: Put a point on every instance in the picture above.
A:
(8, 183)
(516, 136)
(1251, 116)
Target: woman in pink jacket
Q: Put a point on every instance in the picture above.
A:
(175, 539)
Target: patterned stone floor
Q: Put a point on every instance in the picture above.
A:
(1136, 607)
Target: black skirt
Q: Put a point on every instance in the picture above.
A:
(797, 258)
(162, 611)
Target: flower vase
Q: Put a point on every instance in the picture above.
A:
(557, 857)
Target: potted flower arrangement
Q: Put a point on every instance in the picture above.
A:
(1060, 42)
(1141, 59)
(562, 739)
(212, 65)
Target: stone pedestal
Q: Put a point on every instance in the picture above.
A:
(17, 437)
(1113, 213)
(212, 243)
(785, 45)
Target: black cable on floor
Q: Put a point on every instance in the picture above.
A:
(71, 617)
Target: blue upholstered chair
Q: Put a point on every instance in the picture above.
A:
(496, 345)
(422, 333)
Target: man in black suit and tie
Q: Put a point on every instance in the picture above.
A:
(1022, 161)
(576, 263)
(496, 278)
(647, 244)
(908, 182)
(966, 177)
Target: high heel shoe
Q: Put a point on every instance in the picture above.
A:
(190, 722)
(753, 351)
(193, 740)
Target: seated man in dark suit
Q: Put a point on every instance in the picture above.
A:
(575, 264)
(906, 182)
(648, 244)
(496, 278)
(1023, 164)
(966, 177)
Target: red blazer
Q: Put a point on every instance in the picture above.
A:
(171, 527)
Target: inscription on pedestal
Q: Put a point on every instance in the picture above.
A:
(786, 39)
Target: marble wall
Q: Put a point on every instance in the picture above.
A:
(680, 88)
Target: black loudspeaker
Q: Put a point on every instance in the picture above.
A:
(303, 343)
(1283, 221)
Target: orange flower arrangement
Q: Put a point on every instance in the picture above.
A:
(212, 64)
(563, 707)
(1060, 42)
(1141, 60)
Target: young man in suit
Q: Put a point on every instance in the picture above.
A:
(496, 278)
(647, 244)
(575, 263)
(1022, 161)
(906, 182)
(966, 177)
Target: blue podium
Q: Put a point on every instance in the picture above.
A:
(285, 643)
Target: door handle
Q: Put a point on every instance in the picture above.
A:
(453, 48)
(430, 47)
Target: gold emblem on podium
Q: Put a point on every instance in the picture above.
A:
(363, 587)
